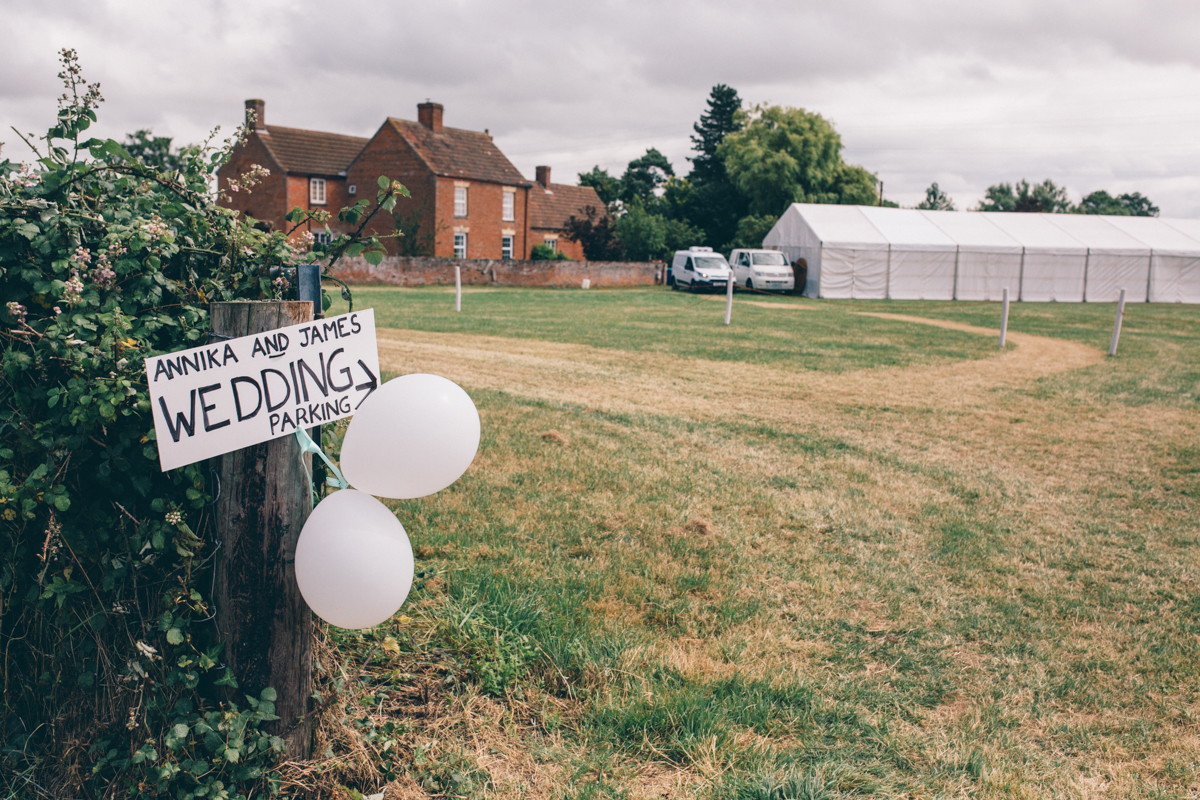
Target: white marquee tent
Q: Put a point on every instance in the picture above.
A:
(871, 253)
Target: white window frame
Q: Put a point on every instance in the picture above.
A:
(322, 237)
(460, 201)
(508, 211)
(506, 246)
(551, 242)
(460, 245)
(316, 191)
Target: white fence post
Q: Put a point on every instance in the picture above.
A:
(729, 297)
(458, 288)
(1112, 347)
(1004, 319)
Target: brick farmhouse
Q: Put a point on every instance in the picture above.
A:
(468, 200)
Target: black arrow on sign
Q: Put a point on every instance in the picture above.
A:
(370, 385)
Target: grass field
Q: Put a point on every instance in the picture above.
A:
(816, 554)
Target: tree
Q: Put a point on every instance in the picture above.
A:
(715, 124)
(752, 230)
(647, 236)
(153, 151)
(1132, 205)
(936, 200)
(1044, 197)
(597, 234)
(708, 200)
(645, 175)
(608, 187)
(788, 155)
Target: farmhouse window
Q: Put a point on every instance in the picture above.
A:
(460, 201)
(509, 208)
(506, 245)
(552, 243)
(460, 243)
(316, 191)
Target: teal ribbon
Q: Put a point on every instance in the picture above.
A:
(307, 445)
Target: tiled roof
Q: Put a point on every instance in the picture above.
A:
(455, 153)
(551, 209)
(312, 152)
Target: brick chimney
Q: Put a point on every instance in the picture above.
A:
(543, 176)
(430, 115)
(259, 109)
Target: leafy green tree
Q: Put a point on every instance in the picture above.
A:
(936, 200)
(648, 236)
(608, 187)
(753, 229)
(1132, 205)
(787, 155)
(153, 151)
(112, 681)
(1044, 197)
(644, 176)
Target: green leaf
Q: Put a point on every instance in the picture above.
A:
(175, 636)
(113, 147)
(374, 257)
(268, 694)
(383, 182)
(232, 755)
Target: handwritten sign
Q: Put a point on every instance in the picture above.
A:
(238, 392)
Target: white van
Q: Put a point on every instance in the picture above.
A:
(762, 269)
(699, 268)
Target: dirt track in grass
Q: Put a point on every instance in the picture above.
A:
(969, 414)
(701, 389)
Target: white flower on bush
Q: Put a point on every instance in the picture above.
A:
(16, 309)
(73, 289)
(155, 228)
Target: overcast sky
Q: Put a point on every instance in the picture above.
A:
(1094, 95)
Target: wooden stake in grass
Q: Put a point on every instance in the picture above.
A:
(458, 288)
(1004, 319)
(729, 297)
(1112, 347)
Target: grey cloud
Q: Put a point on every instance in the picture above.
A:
(920, 91)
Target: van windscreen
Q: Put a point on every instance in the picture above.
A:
(770, 259)
(710, 262)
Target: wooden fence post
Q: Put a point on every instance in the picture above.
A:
(264, 622)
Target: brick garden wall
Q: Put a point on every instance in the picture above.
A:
(400, 271)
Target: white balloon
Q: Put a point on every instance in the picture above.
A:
(354, 564)
(413, 436)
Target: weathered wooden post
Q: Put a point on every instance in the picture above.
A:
(263, 503)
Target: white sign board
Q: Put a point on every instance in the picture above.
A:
(238, 392)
